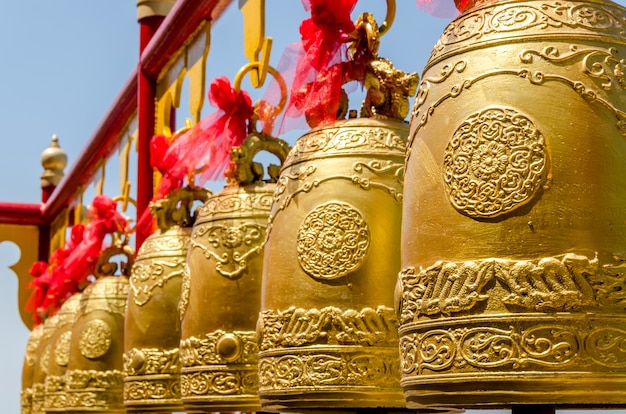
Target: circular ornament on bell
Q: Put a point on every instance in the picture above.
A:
(55, 400)
(514, 220)
(94, 377)
(40, 369)
(221, 296)
(328, 329)
(31, 357)
(152, 331)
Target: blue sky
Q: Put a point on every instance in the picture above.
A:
(64, 62)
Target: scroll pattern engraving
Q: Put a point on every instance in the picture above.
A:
(44, 358)
(542, 17)
(31, 346)
(92, 390)
(152, 390)
(236, 203)
(333, 241)
(494, 163)
(146, 277)
(236, 244)
(610, 284)
(159, 245)
(196, 351)
(605, 65)
(370, 139)
(95, 339)
(185, 291)
(421, 115)
(377, 368)
(55, 399)
(150, 361)
(564, 283)
(106, 294)
(219, 383)
(62, 349)
(300, 327)
(551, 346)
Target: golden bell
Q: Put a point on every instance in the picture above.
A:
(221, 295)
(31, 358)
(514, 218)
(60, 355)
(152, 331)
(94, 378)
(328, 329)
(40, 370)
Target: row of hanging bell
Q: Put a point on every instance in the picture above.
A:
(73, 361)
(512, 287)
(152, 324)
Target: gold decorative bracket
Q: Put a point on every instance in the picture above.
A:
(256, 46)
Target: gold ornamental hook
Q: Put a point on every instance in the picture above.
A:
(281, 83)
(389, 18)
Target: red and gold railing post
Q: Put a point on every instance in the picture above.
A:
(150, 14)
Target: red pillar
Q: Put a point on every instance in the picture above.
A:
(146, 89)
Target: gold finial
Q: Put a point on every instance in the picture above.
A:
(147, 8)
(53, 161)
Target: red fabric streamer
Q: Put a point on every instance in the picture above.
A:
(51, 286)
(319, 71)
(204, 150)
(39, 286)
(69, 267)
(84, 256)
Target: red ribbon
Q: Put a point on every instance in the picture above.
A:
(319, 73)
(69, 267)
(204, 150)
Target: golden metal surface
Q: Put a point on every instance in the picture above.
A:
(40, 369)
(53, 161)
(328, 330)
(148, 8)
(94, 378)
(31, 358)
(256, 47)
(221, 295)
(26, 238)
(55, 400)
(152, 323)
(514, 217)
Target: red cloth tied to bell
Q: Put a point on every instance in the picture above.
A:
(69, 267)
(319, 73)
(104, 220)
(52, 285)
(202, 151)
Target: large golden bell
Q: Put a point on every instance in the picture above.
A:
(514, 221)
(152, 331)
(31, 358)
(94, 378)
(40, 371)
(328, 329)
(221, 295)
(60, 355)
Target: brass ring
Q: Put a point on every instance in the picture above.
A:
(389, 18)
(281, 83)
